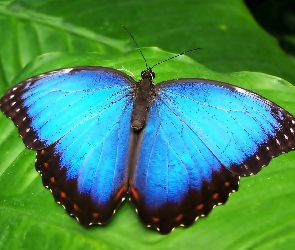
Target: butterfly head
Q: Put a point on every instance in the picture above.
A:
(148, 74)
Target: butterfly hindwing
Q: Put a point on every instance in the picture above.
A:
(177, 179)
(199, 137)
(81, 120)
(86, 169)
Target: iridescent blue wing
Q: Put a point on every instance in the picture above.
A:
(200, 137)
(79, 121)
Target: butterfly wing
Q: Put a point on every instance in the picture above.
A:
(79, 121)
(200, 136)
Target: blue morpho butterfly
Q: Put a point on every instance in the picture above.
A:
(176, 149)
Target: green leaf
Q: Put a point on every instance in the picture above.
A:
(263, 200)
(230, 37)
(37, 36)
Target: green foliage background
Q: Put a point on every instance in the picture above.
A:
(37, 36)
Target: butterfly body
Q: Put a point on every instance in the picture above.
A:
(175, 149)
(144, 94)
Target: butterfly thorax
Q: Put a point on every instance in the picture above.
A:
(144, 94)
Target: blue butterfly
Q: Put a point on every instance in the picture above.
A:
(175, 149)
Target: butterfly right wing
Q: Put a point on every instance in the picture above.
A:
(48, 106)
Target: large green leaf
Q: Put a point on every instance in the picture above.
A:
(260, 215)
(230, 37)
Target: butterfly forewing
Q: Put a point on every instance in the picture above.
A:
(234, 124)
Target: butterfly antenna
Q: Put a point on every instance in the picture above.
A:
(175, 56)
(137, 46)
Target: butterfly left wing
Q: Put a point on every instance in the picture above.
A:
(200, 136)
(78, 120)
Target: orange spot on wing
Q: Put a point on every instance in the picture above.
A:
(179, 217)
(119, 193)
(155, 219)
(134, 193)
(45, 165)
(95, 215)
(215, 196)
(42, 152)
(226, 184)
(200, 206)
(76, 207)
(52, 179)
(63, 195)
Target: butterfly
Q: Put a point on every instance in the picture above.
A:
(175, 149)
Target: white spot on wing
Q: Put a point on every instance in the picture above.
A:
(66, 70)
(241, 90)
